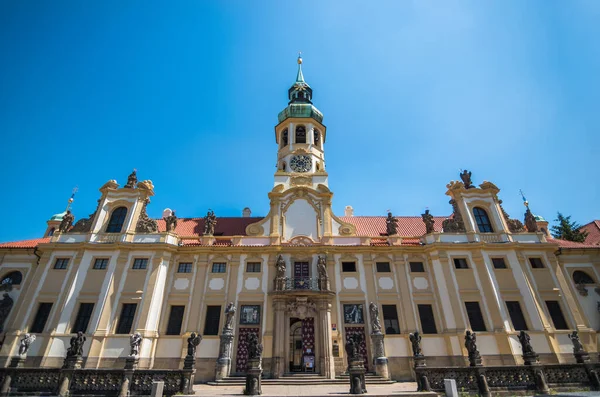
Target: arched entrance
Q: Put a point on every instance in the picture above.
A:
(302, 345)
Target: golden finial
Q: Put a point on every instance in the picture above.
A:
(299, 57)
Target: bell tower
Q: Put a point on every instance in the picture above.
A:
(300, 137)
(300, 199)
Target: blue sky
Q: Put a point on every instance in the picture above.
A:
(188, 93)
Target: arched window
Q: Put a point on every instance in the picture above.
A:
(12, 278)
(300, 134)
(483, 221)
(317, 137)
(580, 277)
(51, 232)
(115, 224)
(284, 138)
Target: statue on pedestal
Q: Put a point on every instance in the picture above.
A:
(135, 341)
(76, 348)
(66, 223)
(280, 274)
(577, 345)
(415, 340)
(391, 224)
(530, 223)
(171, 222)
(471, 345)
(456, 223)
(428, 221)
(210, 221)
(192, 343)
(255, 348)
(132, 180)
(27, 340)
(465, 176)
(229, 316)
(375, 324)
(146, 224)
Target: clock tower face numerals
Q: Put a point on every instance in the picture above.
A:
(301, 163)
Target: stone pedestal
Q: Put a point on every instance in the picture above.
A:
(5, 389)
(380, 361)
(126, 382)
(73, 362)
(132, 362)
(188, 381)
(65, 382)
(419, 361)
(189, 362)
(253, 375)
(582, 357)
(324, 284)
(17, 362)
(475, 359)
(357, 377)
(223, 365)
(540, 381)
(530, 358)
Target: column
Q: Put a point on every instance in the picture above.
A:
(279, 333)
(326, 362)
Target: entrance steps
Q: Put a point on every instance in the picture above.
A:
(303, 379)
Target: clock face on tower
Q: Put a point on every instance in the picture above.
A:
(301, 163)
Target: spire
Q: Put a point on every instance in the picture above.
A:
(72, 198)
(300, 76)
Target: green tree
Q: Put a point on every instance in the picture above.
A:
(567, 230)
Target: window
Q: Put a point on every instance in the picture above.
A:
(83, 318)
(300, 134)
(126, 318)
(284, 138)
(115, 224)
(211, 324)
(184, 268)
(483, 221)
(175, 320)
(218, 268)
(317, 136)
(383, 267)
(417, 267)
(140, 263)
(536, 263)
(557, 316)
(253, 267)
(475, 316)
(51, 232)
(348, 266)
(499, 263)
(580, 277)
(390, 319)
(516, 315)
(461, 263)
(61, 263)
(41, 316)
(100, 263)
(12, 278)
(427, 319)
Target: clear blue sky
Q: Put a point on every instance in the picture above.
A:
(188, 93)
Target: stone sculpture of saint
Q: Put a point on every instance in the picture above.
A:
(525, 340)
(391, 224)
(193, 342)
(530, 223)
(577, 345)
(66, 223)
(135, 341)
(466, 178)
(375, 324)
(132, 180)
(76, 343)
(229, 316)
(171, 222)
(27, 340)
(5, 307)
(280, 267)
(322, 267)
(428, 221)
(255, 348)
(210, 221)
(415, 340)
(471, 342)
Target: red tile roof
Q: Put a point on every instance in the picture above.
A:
(593, 229)
(25, 243)
(571, 244)
(408, 226)
(226, 226)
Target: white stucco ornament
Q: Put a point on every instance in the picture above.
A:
(216, 284)
(350, 283)
(181, 283)
(252, 283)
(420, 283)
(386, 283)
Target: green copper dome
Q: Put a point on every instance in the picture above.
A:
(539, 218)
(300, 96)
(58, 217)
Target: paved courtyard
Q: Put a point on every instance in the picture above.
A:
(397, 389)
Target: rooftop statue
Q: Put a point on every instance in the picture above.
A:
(146, 224)
(210, 221)
(391, 224)
(428, 221)
(85, 224)
(132, 180)
(66, 223)
(171, 222)
(465, 176)
(456, 223)
(514, 225)
(530, 223)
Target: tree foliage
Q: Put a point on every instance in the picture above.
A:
(567, 230)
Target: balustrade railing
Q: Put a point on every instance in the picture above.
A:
(301, 283)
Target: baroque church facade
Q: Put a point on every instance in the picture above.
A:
(302, 278)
